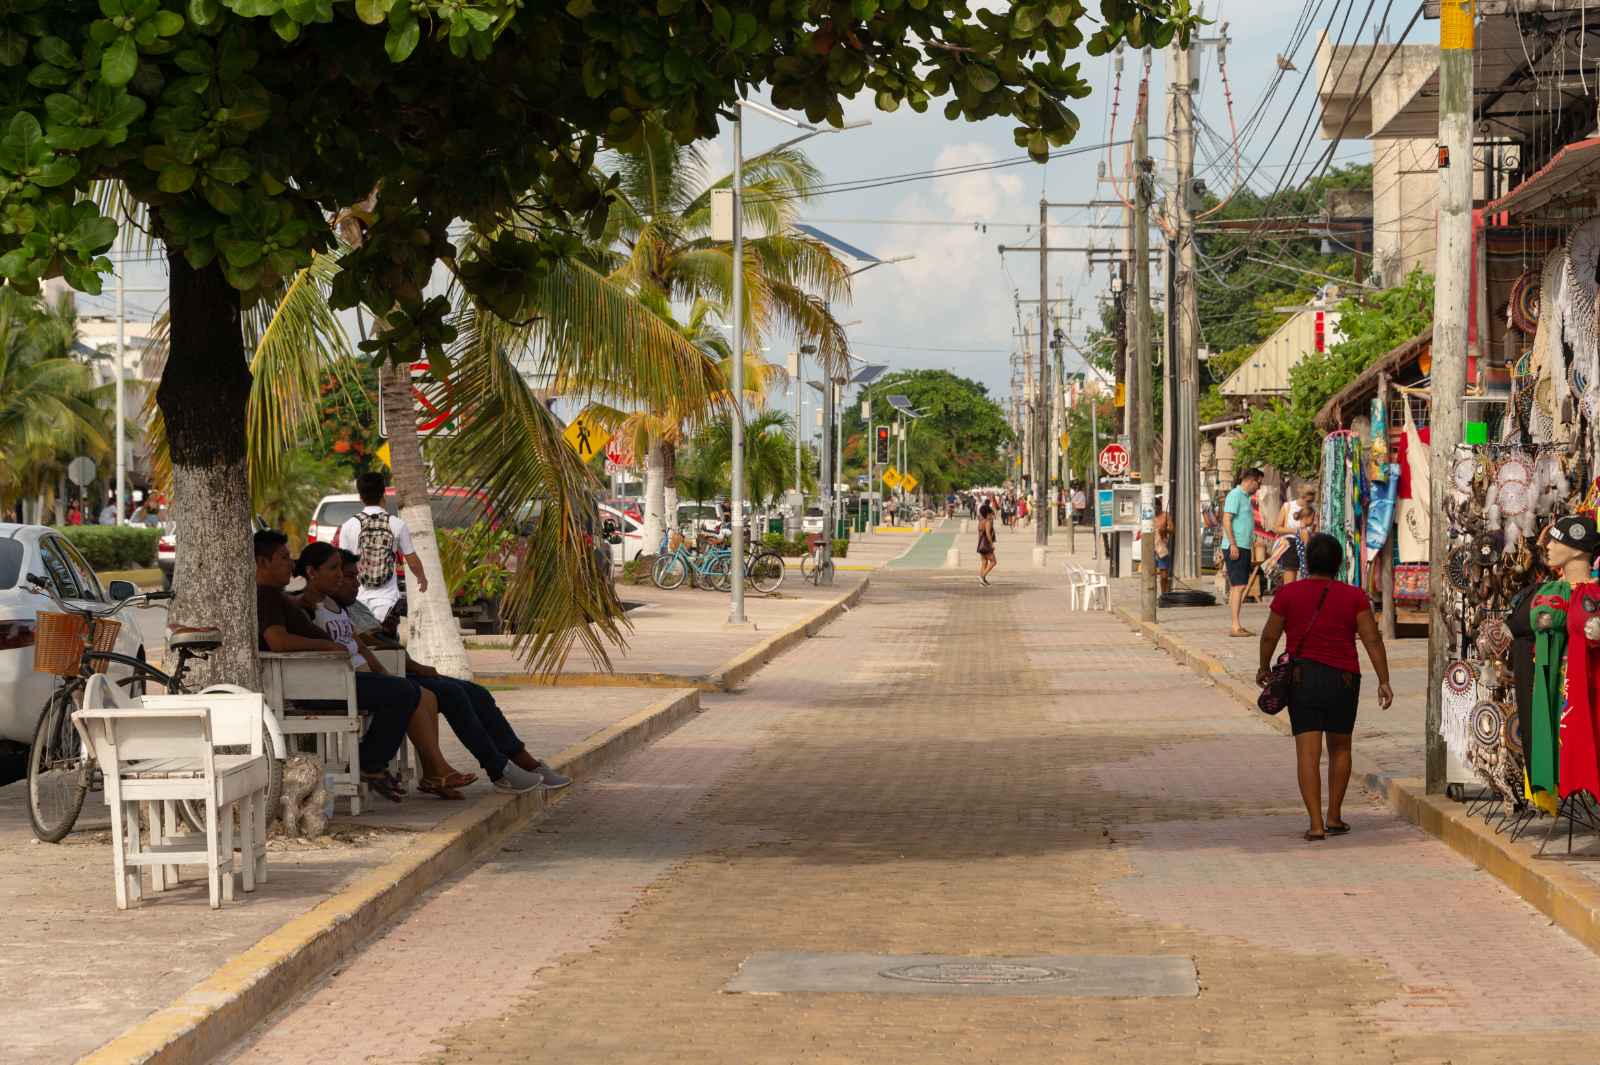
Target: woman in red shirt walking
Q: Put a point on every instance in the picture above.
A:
(1322, 617)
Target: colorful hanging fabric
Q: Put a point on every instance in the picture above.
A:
(1380, 515)
(1580, 733)
(1549, 617)
(1378, 452)
(1413, 517)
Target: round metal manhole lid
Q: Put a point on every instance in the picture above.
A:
(975, 972)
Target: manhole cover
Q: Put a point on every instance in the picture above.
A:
(1047, 975)
(976, 972)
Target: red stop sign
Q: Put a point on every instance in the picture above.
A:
(1114, 460)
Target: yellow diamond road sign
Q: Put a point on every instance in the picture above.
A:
(586, 437)
(909, 483)
(891, 477)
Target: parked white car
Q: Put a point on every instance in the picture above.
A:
(814, 521)
(632, 545)
(706, 516)
(35, 549)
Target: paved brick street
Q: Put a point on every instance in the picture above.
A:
(964, 771)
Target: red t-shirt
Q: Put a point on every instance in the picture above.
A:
(1333, 641)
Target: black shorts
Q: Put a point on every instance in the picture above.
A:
(1238, 568)
(1323, 699)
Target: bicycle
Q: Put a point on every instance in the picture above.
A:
(816, 566)
(765, 570)
(712, 567)
(60, 772)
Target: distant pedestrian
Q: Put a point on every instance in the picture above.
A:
(986, 562)
(1238, 535)
(108, 513)
(74, 515)
(1080, 504)
(1164, 530)
(1322, 617)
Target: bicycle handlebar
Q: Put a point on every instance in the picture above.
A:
(43, 587)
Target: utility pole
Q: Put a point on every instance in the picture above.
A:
(1041, 417)
(1186, 307)
(1453, 278)
(1144, 423)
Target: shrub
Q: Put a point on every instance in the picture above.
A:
(841, 548)
(775, 541)
(638, 570)
(114, 546)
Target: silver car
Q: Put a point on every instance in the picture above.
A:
(35, 549)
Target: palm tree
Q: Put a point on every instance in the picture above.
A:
(768, 453)
(50, 407)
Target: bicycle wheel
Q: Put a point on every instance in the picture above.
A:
(669, 572)
(808, 565)
(719, 573)
(766, 572)
(58, 772)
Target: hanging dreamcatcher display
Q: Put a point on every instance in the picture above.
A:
(1459, 694)
(1579, 305)
(1522, 311)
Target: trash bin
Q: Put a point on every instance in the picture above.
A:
(841, 530)
(775, 525)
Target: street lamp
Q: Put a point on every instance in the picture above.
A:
(736, 607)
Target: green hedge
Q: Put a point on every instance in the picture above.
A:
(114, 546)
(797, 548)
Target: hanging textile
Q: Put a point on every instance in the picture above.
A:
(1411, 581)
(1549, 618)
(1341, 462)
(1378, 453)
(1380, 515)
(1580, 750)
(1411, 534)
(1580, 301)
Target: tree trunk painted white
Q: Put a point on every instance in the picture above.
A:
(204, 391)
(655, 498)
(669, 480)
(433, 637)
(61, 499)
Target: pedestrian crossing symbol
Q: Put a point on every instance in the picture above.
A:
(909, 483)
(891, 477)
(586, 436)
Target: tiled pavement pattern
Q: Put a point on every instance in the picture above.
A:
(952, 769)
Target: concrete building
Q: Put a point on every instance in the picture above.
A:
(1265, 373)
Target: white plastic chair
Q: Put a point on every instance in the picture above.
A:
(163, 751)
(1074, 582)
(322, 678)
(1096, 591)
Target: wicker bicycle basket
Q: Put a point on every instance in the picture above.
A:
(59, 642)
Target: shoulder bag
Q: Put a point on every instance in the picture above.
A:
(1275, 695)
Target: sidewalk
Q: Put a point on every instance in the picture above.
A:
(61, 995)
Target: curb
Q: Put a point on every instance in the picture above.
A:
(1571, 901)
(724, 678)
(206, 1019)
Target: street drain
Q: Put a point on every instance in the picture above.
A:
(1065, 975)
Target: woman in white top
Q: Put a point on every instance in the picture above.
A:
(1289, 514)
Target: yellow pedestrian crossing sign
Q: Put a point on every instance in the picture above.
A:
(909, 483)
(891, 477)
(585, 436)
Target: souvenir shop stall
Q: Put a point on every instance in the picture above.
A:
(1522, 605)
(1373, 493)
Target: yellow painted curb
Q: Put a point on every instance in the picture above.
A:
(203, 1021)
(1568, 899)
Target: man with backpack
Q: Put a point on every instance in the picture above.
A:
(379, 538)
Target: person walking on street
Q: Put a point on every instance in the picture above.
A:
(1322, 617)
(1163, 533)
(1080, 504)
(1238, 534)
(986, 561)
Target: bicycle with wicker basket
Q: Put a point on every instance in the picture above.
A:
(74, 643)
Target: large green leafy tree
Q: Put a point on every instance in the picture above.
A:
(236, 129)
(959, 443)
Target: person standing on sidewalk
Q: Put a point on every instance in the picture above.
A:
(1322, 617)
(1163, 534)
(1238, 534)
(986, 561)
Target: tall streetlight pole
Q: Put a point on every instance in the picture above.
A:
(736, 490)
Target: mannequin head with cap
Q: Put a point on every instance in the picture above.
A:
(1572, 544)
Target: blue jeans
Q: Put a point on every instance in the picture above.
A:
(476, 720)
(388, 703)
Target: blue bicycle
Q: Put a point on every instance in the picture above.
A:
(710, 568)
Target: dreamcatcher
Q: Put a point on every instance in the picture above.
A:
(1581, 299)
(1523, 310)
(1459, 694)
(1489, 753)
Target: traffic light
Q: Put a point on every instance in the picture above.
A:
(883, 444)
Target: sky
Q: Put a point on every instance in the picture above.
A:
(951, 305)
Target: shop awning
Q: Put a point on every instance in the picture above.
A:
(1353, 396)
(1570, 173)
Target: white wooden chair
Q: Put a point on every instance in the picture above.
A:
(325, 686)
(163, 751)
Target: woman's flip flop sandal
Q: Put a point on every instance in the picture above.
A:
(439, 786)
(1338, 830)
(1314, 837)
(383, 784)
